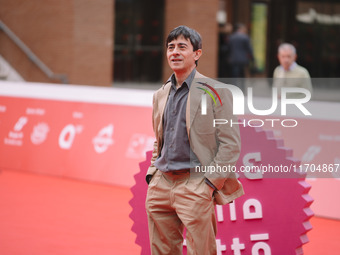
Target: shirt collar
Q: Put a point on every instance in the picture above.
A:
(187, 81)
(292, 66)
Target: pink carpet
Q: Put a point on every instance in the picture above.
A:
(47, 215)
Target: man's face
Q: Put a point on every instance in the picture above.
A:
(286, 58)
(181, 55)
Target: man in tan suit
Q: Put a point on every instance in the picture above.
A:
(182, 192)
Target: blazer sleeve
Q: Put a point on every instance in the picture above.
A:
(152, 169)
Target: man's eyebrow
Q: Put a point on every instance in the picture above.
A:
(180, 44)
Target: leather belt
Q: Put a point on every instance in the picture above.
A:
(178, 172)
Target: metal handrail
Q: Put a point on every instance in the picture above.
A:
(31, 56)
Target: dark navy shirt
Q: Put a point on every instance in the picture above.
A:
(176, 153)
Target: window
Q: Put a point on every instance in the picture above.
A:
(138, 50)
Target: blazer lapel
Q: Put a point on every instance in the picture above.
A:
(163, 98)
(194, 100)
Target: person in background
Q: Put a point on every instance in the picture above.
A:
(240, 53)
(289, 73)
(224, 69)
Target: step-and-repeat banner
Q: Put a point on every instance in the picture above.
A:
(88, 140)
(102, 134)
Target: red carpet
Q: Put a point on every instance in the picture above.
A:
(42, 215)
(46, 215)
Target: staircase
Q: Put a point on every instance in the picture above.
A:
(7, 72)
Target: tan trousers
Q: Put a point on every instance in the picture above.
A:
(177, 201)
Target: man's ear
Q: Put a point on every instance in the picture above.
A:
(198, 54)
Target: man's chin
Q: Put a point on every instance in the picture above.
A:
(176, 68)
(286, 67)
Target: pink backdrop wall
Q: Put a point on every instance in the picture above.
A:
(101, 135)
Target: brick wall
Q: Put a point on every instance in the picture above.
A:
(73, 37)
(201, 16)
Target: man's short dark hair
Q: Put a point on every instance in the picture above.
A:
(187, 33)
(238, 26)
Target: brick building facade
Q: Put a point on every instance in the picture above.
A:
(106, 41)
(72, 37)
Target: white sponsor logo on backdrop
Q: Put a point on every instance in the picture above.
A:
(68, 134)
(3, 108)
(39, 133)
(139, 144)
(103, 139)
(16, 136)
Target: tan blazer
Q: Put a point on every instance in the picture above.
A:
(213, 146)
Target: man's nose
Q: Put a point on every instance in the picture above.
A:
(176, 50)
